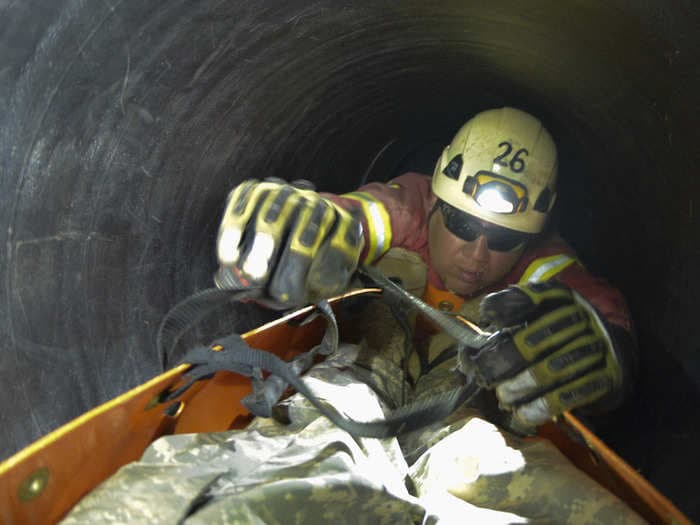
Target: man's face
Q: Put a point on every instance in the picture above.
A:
(467, 267)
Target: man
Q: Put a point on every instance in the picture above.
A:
(460, 239)
(477, 227)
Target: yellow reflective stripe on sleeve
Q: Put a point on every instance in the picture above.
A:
(545, 268)
(378, 224)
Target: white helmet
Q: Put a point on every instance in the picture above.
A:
(501, 167)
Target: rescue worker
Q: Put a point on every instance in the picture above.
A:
(476, 225)
(469, 240)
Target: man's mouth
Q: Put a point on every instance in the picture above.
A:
(470, 276)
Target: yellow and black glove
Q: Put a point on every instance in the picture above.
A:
(287, 239)
(551, 352)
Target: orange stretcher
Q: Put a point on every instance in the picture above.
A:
(41, 483)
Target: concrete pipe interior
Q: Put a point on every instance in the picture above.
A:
(123, 124)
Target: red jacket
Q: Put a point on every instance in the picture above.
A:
(396, 215)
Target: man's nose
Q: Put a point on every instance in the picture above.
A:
(480, 249)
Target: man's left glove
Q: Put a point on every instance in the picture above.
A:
(551, 352)
(287, 240)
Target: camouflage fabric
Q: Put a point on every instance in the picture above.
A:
(475, 461)
(307, 471)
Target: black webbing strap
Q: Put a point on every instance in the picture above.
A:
(267, 393)
(189, 312)
(235, 355)
(232, 353)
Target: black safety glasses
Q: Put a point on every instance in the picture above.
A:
(469, 228)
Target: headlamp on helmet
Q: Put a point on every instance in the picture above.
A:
(496, 194)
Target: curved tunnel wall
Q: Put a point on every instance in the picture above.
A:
(123, 124)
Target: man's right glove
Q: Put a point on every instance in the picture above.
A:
(287, 239)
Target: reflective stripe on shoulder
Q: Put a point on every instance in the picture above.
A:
(545, 268)
(378, 224)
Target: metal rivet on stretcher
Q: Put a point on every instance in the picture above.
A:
(34, 485)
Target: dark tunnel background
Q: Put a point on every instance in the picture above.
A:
(123, 124)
